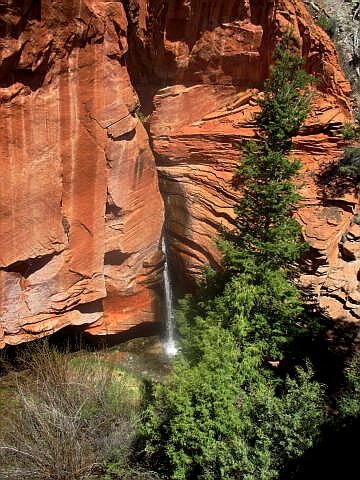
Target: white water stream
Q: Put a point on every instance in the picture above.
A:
(170, 342)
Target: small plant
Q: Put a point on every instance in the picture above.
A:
(328, 24)
(350, 401)
(350, 164)
(350, 131)
(356, 219)
(65, 224)
(140, 114)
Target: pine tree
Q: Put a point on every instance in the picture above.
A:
(223, 413)
(266, 234)
(264, 248)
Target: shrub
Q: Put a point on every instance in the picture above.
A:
(140, 114)
(279, 428)
(350, 131)
(67, 418)
(220, 419)
(349, 403)
(193, 421)
(328, 24)
(350, 163)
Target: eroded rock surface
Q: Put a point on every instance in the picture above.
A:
(81, 213)
(204, 107)
(80, 210)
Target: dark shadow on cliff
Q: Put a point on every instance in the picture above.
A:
(333, 182)
(328, 344)
(334, 457)
(25, 10)
(73, 339)
(152, 67)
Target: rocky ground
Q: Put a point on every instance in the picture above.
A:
(143, 357)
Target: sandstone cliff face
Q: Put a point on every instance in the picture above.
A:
(81, 213)
(209, 60)
(80, 210)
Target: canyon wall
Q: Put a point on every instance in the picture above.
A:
(203, 63)
(80, 210)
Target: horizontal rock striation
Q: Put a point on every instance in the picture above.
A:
(205, 64)
(80, 209)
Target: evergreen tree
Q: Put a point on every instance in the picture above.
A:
(224, 413)
(266, 234)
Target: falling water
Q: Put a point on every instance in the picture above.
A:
(170, 343)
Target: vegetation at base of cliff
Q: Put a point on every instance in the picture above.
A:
(349, 166)
(226, 411)
(242, 401)
(68, 418)
(350, 131)
(350, 163)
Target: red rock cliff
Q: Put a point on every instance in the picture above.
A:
(81, 214)
(205, 61)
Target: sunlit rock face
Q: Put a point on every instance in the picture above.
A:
(203, 65)
(81, 213)
(80, 209)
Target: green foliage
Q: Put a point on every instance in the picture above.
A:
(278, 428)
(266, 234)
(328, 24)
(194, 421)
(266, 313)
(140, 114)
(350, 131)
(266, 243)
(349, 404)
(222, 417)
(350, 163)
(284, 107)
(224, 413)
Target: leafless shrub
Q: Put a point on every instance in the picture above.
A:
(67, 416)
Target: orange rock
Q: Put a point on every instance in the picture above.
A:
(206, 110)
(80, 210)
(78, 175)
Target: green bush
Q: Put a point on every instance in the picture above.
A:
(193, 421)
(223, 418)
(350, 131)
(350, 163)
(349, 403)
(328, 24)
(278, 428)
(140, 114)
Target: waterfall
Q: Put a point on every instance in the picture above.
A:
(169, 343)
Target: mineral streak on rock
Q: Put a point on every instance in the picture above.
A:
(78, 176)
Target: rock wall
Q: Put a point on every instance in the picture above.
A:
(80, 210)
(81, 213)
(207, 61)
